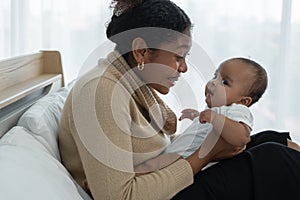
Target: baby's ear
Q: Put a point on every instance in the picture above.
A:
(246, 101)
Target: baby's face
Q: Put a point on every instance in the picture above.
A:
(230, 84)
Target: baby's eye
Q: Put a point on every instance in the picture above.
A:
(224, 82)
(215, 76)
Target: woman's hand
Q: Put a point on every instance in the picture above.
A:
(223, 149)
(214, 148)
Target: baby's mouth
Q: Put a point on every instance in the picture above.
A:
(209, 92)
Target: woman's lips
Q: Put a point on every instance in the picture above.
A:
(173, 79)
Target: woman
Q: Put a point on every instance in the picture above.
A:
(113, 120)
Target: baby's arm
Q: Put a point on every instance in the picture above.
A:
(233, 132)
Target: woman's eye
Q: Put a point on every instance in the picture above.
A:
(179, 58)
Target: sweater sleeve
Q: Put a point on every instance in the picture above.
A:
(106, 151)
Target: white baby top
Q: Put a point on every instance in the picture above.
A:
(190, 140)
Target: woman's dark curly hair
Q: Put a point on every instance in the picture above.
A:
(141, 14)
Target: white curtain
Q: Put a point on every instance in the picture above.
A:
(266, 31)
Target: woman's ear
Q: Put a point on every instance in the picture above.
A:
(246, 101)
(139, 49)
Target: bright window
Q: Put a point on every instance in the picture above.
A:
(264, 30)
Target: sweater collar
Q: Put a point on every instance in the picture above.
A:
(144, 95)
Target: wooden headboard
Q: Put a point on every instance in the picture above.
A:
(24, 80)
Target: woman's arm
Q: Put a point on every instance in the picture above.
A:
(154, 164)
(218, 150)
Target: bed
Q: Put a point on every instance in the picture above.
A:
(32, 95)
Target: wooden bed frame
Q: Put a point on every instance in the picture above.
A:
(24, 80)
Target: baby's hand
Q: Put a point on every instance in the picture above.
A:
(189, 114)
(207, 116)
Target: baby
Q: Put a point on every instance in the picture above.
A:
(238, 83)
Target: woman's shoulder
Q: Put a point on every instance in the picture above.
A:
(94, 77)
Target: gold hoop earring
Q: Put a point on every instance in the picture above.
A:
(141, 66)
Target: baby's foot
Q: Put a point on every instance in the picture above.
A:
(293, 145)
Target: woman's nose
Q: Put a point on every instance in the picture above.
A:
(182, 66)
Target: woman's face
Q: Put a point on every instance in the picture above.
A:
(164, 65)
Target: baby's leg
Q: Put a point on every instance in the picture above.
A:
(293, 145)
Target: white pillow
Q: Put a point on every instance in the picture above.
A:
(43, 118)
(29, 172)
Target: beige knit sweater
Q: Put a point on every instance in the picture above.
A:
(112, 122)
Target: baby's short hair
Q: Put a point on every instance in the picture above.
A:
(259, 85)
